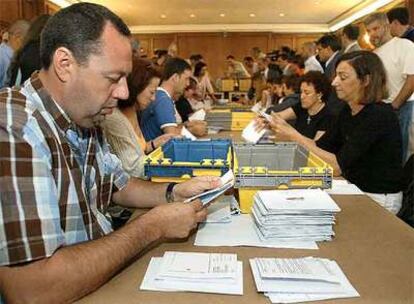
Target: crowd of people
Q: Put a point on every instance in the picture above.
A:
(80, 109)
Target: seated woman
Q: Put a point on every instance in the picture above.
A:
(311, 114)
(364, 145)
(121, 128)
(203, 82)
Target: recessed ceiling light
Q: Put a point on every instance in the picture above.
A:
(222, 15)
(163, 16)
(192, 16)
(252, 15)
(282, 15)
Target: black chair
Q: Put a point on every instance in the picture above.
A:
(407, 209)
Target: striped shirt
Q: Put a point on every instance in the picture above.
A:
(56, 180)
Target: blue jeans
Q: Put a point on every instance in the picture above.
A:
(405, 116)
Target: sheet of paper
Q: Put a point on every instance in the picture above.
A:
(221, 210)
(221, 286)
(343, 187)
(250, 134)
(213, 129)
(191, 265)
(300, 287)
(297, 199)
(241, 232)
(256, 108)
(187, 134)
(198, 115)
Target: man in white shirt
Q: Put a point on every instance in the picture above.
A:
(309, 53)
(397, 55)
(349, 38)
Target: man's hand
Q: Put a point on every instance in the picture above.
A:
(160, 140)
(195, 186)
(197, 127)
(176, 220)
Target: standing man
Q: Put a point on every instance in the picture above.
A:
(399, 23)
(311, 62)
(17, 31)
(349, 37)
(58, 177)
(397, 55)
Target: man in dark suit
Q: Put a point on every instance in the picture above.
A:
(329, 51)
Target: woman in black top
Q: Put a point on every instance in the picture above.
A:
(311, 114)
(364, 145)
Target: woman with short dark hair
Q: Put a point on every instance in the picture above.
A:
(310, 111)
(122, 128)
(364, 145)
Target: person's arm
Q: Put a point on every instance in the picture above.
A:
(406, 91)
(286, 114)
(74, 271)
(172, 130)
(139, 193)
(282, 128)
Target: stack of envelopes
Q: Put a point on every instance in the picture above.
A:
(301, 215)
(300, 280)
(195, 271)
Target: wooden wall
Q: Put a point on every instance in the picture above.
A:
(12, 10)
(216, 46)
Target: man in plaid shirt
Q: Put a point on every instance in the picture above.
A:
(57, 175)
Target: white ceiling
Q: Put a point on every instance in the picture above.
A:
(204, 15)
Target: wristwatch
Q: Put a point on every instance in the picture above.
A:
(169, 195)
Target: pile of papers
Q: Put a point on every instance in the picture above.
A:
(300, 280)
(194, 271)
(343, 187)
(301, 215)
(199, 115)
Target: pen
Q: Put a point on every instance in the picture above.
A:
(295, 198)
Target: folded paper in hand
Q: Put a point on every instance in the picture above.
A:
(227, 181)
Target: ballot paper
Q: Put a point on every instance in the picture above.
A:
(222, 209)
(343, 187)
(250, 134)
(227, 181)
(187, 134)
(294, 215)
(198, 115)
(194, 271)
(213, 129)
(256, 108)
(298, 280)
(240, 231)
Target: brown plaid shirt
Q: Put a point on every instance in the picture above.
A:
(56, 180)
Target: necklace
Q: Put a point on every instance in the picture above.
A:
(309, 119)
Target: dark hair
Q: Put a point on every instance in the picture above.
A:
(368, 65)
(275, 80)
(230, 57)
(160, 52)
(291, 82)
(273, 72)
(248, 58)
(331, 41)
(142, 73)
(196, 57)
(173, 66)
(319, 82)
(399, 13)
(198, 67)
(192, 84)
(79, 28)
(351, 31)
(30, 47)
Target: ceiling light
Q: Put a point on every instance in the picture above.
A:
(192, 16)
(252, 15)
(163, 16)
(222, 15)
(282, 15)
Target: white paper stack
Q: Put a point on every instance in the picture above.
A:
(198, 115)
(300, 280)
(301, 215)
(343, 187)
(194, 271)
